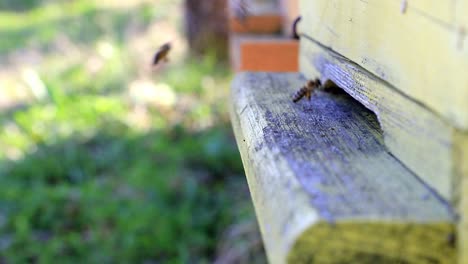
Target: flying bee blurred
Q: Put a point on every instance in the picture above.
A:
(306, 90)
(161, 54)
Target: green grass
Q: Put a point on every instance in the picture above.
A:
(83, 22)
(114, 196)
(83, 181)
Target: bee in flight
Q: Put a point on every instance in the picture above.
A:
(306, 90)
(161, 54)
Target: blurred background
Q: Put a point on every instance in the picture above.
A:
(106, 159)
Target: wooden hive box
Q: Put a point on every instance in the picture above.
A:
(407, 61)
(376, 175)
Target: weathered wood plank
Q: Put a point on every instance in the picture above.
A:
(461, 18)
(420, 52)
(324, 186)
(414, 134)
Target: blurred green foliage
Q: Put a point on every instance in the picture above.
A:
(119, 197)
(84, 22)
(15, 5)
(80, 184)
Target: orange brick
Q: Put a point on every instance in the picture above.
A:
(262, 24)
(271, 56)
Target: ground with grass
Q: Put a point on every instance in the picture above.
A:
(105, 159)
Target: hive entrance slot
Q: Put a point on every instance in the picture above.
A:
(332, 88)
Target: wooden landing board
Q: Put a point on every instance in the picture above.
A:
(415, 135)
(324, 186)
(422, 50)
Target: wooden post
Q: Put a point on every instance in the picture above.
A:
(206, 26)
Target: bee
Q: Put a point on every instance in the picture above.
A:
(161, 54)
(306, 90)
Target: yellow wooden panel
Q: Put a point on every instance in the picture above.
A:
(461, 23)
(440, 11)
(417, 54)
(461, 14)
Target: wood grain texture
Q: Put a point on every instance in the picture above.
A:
(421, 52)
(414, 134)
(324, 186)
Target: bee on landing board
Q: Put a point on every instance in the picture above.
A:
(306, 90)
(161, 54)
